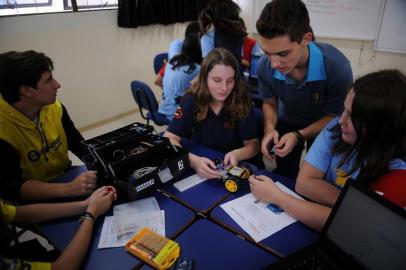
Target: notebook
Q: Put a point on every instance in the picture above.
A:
(364, 231)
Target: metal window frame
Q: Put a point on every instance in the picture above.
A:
(76, 7)
(34, 4)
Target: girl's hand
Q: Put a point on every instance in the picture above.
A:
(232, 158)
(204, 167)
(264, 189)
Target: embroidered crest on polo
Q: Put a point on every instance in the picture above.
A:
(178, 113)
(33, 155)
(227, 125)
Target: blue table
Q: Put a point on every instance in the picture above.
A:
(284, 242)
(60, 232)
(200, 198)
(204, 196)
(212, 247)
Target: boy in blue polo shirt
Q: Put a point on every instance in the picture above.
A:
(302, 83)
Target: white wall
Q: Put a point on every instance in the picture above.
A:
(364, 59)
(95, 60)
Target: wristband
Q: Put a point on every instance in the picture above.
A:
(87, 215)
(299, 136)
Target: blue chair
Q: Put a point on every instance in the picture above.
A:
(146, 100)
(159, 60)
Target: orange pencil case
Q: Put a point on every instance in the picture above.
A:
(153, 248)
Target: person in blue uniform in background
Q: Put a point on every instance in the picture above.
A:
(175, 48)
(179, 73)
(222, 27)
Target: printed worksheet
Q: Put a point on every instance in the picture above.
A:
(109, 237)
(133, 216)
(258, 219)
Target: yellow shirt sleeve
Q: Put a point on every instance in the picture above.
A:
(16, 264)
(40, 265)
(37, 265)
(7, 212)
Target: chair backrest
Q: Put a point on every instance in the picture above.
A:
(159, 60)
(145, 98)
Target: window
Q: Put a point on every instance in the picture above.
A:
(24, 3)
(90, 4)
(20, 7)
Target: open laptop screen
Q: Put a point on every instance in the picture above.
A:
(369, 231)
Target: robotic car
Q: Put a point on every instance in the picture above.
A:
(236, 177)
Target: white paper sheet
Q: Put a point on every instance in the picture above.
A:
(255, 217)
(133, 216)
(109, 237)
(189, 182)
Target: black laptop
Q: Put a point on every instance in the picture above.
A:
(364, 231)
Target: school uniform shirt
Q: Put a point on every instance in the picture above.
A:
(216, 39)
(207, 43)
(320, 156)
(30, 150)
(321, 92)
(175, 83)
(214, 131)
(175, 48)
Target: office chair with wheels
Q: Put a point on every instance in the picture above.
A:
(159, 60)
(146, 100)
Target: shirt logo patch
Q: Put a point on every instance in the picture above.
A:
(55, 144)
(342, 178)
(33, 155)
(178, 113)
